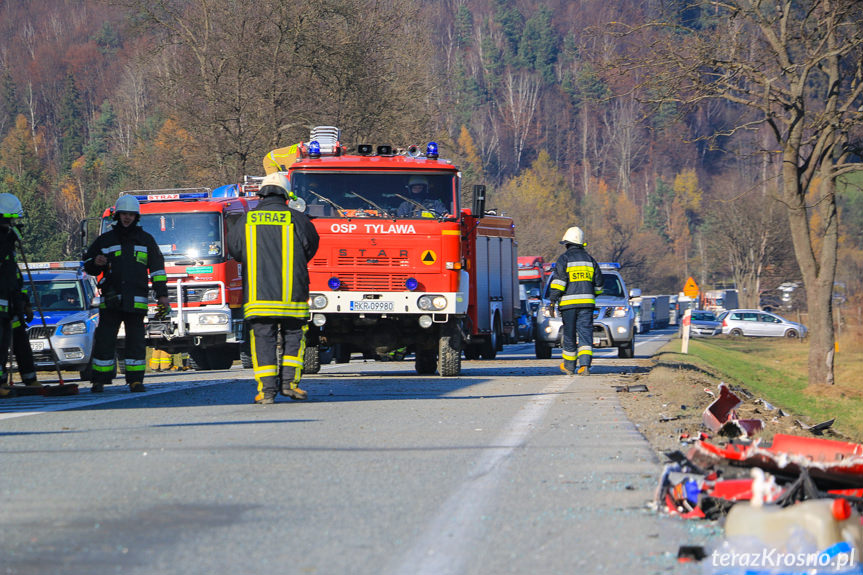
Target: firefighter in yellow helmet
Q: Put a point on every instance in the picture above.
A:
(576, 282)
(275, 244)
(15, 309)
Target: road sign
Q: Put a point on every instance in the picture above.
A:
(691, 288)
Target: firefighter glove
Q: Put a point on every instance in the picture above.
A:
(163, 312)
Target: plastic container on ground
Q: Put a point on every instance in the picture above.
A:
(829, 521)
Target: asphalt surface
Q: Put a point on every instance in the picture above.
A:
(510, 468)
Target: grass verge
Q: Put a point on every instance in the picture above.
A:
(776, 370)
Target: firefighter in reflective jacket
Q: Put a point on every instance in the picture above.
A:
(128, 257)
(14, 302)
(275, 243)
(576, 283)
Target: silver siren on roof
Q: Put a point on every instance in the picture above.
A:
(327, 137)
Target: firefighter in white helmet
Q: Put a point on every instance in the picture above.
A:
(15, 309)
(128, 259)
(420, 201)
(275, 244)
(577, 280)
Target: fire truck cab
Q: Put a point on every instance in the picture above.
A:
(204, 282)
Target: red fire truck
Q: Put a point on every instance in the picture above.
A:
(204, 283)
(402, 265)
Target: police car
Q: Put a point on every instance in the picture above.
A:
(68, 298)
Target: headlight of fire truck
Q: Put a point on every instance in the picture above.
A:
(213, 319)
(74, 328)
(431, 302)
(317, 301)
(211, 295)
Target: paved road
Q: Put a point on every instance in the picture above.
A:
(510, 468)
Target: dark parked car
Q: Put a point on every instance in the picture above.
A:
(704, 323)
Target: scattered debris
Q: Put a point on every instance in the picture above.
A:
(816, 429)
(688, 553)
(631, 388)
(721, 418)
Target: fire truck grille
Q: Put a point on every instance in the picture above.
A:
(40, 332)
(373, 282)
(192, 294)
(375, 261)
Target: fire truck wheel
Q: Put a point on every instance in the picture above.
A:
(198, 359)
(449, 352)
(489, 347)
(342, 353)
(312, 359)
(426, 362)
(246, 360)
(220, 357)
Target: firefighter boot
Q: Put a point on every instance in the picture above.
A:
(583, 370)
(6, 392)
(265, 398)
(293, 391)
(137, 387)
(568, 367)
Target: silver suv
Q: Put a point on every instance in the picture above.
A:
(613, 318)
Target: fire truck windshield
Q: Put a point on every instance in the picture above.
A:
(376, 194)
(186, 235)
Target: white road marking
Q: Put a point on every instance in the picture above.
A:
(446, 541)
(36, 404)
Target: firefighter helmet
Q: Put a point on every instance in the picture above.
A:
(10, 206)
(275, 184)
(573, 235)
(418, 181)
(127, 204)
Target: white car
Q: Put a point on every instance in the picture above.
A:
(754, 322)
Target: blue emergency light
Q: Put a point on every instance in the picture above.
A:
(314, 149)
(431, 150)
(411, 284)
(610, 265)
(334, 283)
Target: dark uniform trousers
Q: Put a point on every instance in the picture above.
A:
(270, 369)
(577, 336)
(5, 340)
(106, 338)
(22, 351)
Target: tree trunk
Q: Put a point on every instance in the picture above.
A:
(818, 273)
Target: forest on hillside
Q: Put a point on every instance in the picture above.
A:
(528, 97)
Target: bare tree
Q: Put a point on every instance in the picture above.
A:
(517, 104)
(750, 233)
(248, 76)
(626, 140)
(794, 66)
